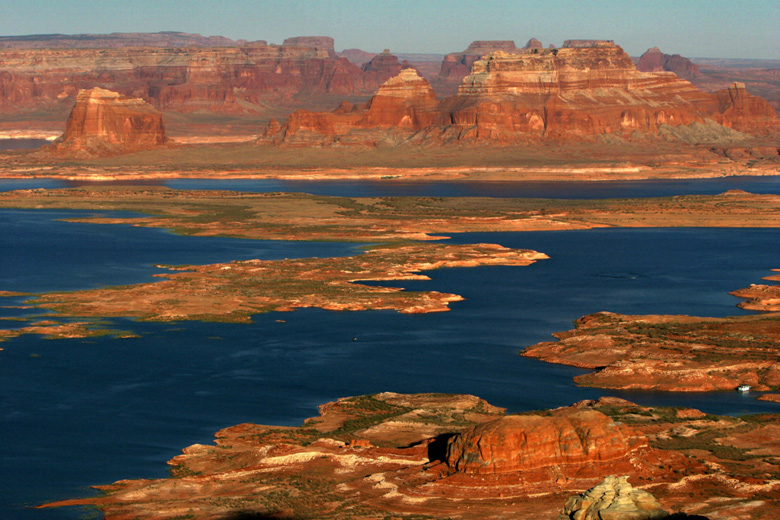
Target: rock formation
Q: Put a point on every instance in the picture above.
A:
(653, 60)
(382, 67)
(744, 112)
(457, 65)
(532, 44)
(405, 102)
(582, 90)
(613, 499)
(234, 78)
(357, 56)
(106, 123)
(568, 439)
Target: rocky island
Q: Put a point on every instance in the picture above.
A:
(674, 353)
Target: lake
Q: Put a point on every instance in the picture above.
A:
(417, 188)
(88, 411)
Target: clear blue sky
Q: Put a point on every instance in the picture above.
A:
(693, 28)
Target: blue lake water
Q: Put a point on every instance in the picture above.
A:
(80, 412)
(400, 187)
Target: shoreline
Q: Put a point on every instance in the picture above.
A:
(465, 174)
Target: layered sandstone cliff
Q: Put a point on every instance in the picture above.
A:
(580, 91)
(233, 79)
(567, 439)
(106, 123)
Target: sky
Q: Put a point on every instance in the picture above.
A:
(693, 28)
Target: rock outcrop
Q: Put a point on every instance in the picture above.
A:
(567, 440)
(613, 499)
(382, 67)
(744, 112)
(532, 44)
(405, 102)
(457, 65)
(106, 123)
(653, 60)
(582, 90)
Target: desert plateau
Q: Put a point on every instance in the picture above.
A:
(335, 277)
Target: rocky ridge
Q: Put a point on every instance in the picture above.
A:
(106, 123)
(567, 439)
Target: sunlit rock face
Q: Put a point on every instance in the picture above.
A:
(613, 499)
(568, 439)
(578, 92)
(106, 123)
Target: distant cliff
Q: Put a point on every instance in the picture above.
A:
(588, 88)
(195, 73)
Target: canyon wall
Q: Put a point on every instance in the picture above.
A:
(233, 78)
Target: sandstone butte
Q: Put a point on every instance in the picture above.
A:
(653, 60)
(675, 353)
(580, 91)
(386, 456)
(106, 123)
(227, 77)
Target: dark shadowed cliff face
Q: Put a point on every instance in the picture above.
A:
(106, 123)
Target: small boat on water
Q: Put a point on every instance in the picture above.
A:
(743, 388)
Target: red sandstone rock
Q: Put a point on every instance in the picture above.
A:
(357, 56)
(457, 65)
(106, 123)
(232, 79)
(405, 102)
(382, 67)
(568, 437)
(745, 112)
(580, 91)
(653, 60)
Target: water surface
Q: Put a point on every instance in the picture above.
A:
(86, 411)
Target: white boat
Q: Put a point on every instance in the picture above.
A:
(743, 388)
